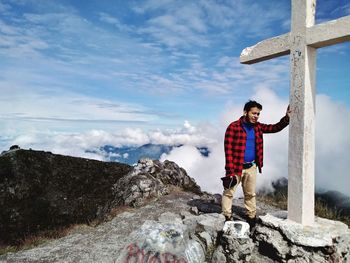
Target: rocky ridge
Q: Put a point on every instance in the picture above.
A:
(165, 223)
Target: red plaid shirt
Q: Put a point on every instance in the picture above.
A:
(235, 142)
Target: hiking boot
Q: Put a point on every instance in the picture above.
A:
(251, 222)
(228, 218)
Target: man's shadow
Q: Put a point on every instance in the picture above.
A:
(210, 206)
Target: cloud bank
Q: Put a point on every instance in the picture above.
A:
(332, 143)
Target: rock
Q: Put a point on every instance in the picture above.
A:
(161, 242)
(236, 249)
(106, 242)
(170, 217)
(194, 210)
(238, 229)
(273, 242)
(40, 190)
(190, 220)
(321, 234)
(164, 230)
(287, 241)
(219, 255)
(181, 224)
(151, 179)
(210, 223)
(206, 239)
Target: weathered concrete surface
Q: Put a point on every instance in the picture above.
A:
(267, 49)
(329, 33)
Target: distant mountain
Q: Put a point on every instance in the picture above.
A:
(131, 154)
(333, 199)
(338, 200)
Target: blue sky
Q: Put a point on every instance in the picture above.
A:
(130, 72)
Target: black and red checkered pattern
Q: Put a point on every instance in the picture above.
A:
(235, 142)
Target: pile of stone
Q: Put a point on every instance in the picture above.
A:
(151, 179)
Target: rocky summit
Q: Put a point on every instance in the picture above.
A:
(161, 215)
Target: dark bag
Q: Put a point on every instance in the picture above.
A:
(229, 181)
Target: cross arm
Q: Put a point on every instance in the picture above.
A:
(264, 50)
(329, 33)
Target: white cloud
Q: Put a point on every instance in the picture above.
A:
(208, 170)
(77, 143)
(205, 170)
(174, 29)
(332, 143)
(110, 19)
(191, 129)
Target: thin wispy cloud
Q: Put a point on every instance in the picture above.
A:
(185, 24)
(74, 107)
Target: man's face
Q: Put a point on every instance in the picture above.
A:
(252, 115)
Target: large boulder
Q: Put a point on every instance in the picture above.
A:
(151, 178)
(40, 190)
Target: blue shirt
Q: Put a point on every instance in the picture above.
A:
(249, 154)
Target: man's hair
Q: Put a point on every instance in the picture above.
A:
(251, 104)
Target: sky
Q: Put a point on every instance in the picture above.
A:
(76, 75)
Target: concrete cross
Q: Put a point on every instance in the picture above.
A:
(301, 43)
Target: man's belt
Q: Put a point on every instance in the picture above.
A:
(248, 165)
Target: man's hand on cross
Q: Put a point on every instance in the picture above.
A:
(288, 112)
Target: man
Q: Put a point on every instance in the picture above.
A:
(244, 154)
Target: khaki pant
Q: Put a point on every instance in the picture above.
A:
(248, 180)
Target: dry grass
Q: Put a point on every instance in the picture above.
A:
(49, 235)
(38, 239)
(278, 200)
(322, 210)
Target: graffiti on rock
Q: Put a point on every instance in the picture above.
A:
(136, 254)
(157, 242)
